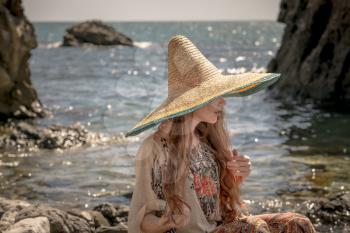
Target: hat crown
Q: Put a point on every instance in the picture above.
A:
(187, 66)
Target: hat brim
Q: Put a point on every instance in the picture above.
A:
(237, 85)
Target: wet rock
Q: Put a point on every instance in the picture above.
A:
(25, 136)
(60, 221)
(18, 97)
(94, 32)
(30, 225)
(333, 209)
(115, 214)
(314, 57)
(122, 210)
(99, 219)
(108, 211)
(121, 228)
(86, 215)
(10, 208)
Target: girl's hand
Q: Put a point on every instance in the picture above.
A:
(240, 165)
(166, 222)
(175, 220)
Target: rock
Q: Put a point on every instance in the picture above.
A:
(99, 219)
(30, 225)
(25, 136)
(86, 215)
(7, 204)
(114, 214)
(22, 217)
(18, 97)
(60, 221)
(122, 213)
(122, 210)
(94, 32)
(10, 216)
(4, 225)
(10, 208)
(121, 228)
(333, 209)
(314, 57)
(108, 211)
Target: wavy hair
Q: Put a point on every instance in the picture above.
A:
(177, 167)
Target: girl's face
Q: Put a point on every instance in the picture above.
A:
(210, 112)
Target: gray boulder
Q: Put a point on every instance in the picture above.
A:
(30, 225)
(60, 221)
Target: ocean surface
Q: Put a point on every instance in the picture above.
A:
(297, 152)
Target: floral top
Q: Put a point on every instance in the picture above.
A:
(201, 190)
(203, 177)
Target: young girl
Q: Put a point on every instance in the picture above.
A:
(187, 176)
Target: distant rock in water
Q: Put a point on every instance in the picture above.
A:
(18, 98)
(94, 32)
(314, 56)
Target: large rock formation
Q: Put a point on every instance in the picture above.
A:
(314, 56)
(18, 98)
(94, 32)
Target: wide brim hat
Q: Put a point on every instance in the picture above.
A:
(193, 82)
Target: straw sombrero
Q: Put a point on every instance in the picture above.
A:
(193, 82)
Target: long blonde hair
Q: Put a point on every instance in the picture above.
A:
(177, 167)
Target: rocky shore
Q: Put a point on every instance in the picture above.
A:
(24, 136)
(21, 216)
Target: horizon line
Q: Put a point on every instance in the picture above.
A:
(150, 21)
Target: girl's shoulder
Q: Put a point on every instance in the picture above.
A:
(151, 145)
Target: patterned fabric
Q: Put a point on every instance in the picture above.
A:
(157, 182)
(204, 179)
(288, 222)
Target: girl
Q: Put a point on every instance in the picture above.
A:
(187, 176)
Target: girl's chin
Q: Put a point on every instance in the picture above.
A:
(213, 121)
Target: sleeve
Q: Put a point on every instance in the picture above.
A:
(143, 199)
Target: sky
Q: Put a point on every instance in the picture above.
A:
(151, 10)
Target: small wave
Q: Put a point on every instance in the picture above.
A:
(51, 45)
(142, 44)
